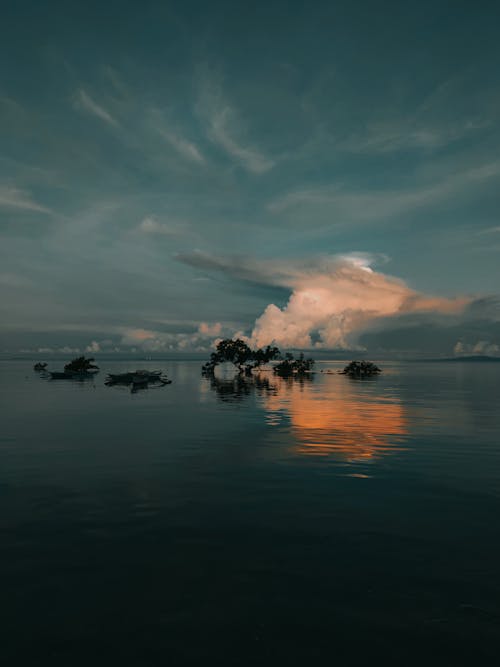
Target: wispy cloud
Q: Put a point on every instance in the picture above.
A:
(226, 131)
(84, 101)
(220, 131)
(185, 148)
(388, 136)
(489, 230)
(14, 198)
(436, 122)
(368, 205)
(150, 225)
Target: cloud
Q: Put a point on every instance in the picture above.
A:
(365, 206)
(160, 341)
(84, 101)
(93, 347)
(11, 197)
(206, 329)
(481, 348)
(250, 158)
(489, 230)
(333, 298)
(185, 148)
(224, 129)
(447, 114)
(150, 225)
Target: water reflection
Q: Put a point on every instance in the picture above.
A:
(326, 415)
(338, 418)
(238, 388)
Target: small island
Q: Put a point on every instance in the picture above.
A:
(246, 360)
(80, 368)
(361, 369)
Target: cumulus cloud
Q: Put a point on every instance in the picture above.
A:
(333, 299)
(94, 346)
(200, 340)
(206, 329)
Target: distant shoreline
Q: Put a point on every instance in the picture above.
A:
(197, 357)
(467, 359)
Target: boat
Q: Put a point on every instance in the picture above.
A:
(128, 378)
(73, 375)
(140, 380)
(60, 375)
(40, 366)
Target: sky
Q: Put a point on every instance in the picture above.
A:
(318, 175)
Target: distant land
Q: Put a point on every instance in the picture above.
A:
(318, 355)
(472, 357)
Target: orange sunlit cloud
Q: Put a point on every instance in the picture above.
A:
(337, 301)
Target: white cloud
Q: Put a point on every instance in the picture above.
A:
(84, 101)
(93, 347)
(150, 225)
(185, 148)
(11, 197)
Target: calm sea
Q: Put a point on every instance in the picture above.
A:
(267, 522)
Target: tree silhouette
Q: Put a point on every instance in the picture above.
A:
(291, 366)
(80, 365)
(361, 369)
(239, 353)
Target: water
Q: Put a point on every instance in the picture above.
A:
(260, 523)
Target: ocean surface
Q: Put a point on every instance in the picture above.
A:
(260, 522)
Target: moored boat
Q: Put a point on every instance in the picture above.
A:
(73, 375)
(133, 376)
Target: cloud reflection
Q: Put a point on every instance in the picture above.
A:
(325, 415)
(339, 418)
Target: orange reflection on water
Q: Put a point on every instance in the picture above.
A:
(335, 415)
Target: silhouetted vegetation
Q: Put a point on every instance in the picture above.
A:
(80, 365)
(291, 366)
(239, 353)
(361, 369)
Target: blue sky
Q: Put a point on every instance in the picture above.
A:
(150, 150)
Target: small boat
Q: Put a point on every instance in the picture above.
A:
(40, 366)
(61, 375)
(128, 378)
(140, 380)
(73, 375)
